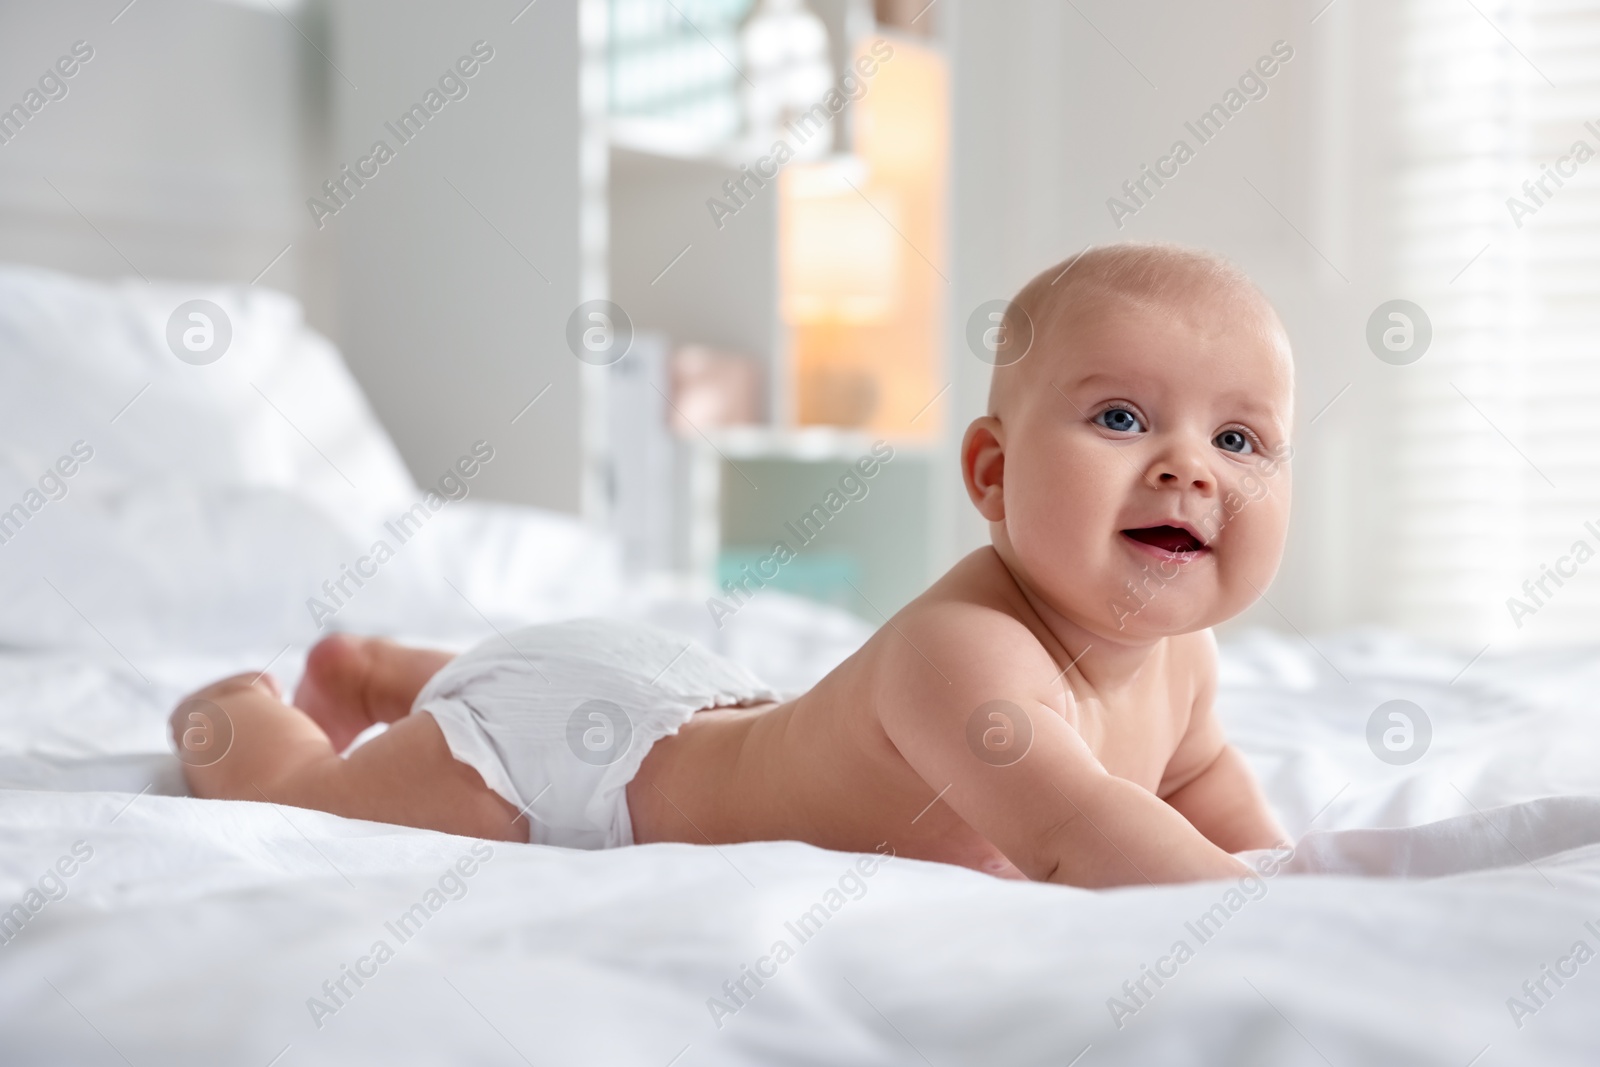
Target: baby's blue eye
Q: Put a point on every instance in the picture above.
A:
(1119, 419)
(1233, 441)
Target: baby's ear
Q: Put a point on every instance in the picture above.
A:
(983, 465)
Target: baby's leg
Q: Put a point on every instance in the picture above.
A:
(273, 752)
(352, 682)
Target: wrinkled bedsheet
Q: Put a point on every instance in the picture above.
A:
(1431, 913)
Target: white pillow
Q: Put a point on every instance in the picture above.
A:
(226, 570)
(204, 521)
(277, 410)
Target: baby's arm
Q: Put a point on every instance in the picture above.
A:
(1225, 803)
(1212, 785)
(1056, 813)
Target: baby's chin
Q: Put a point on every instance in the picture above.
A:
(1129, 603)
(1146, 626)
(1119, 614)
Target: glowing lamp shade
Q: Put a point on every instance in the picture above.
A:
(839, 260)
(862, 248)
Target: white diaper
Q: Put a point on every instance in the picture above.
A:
(558, 718)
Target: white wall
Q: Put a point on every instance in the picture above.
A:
(179, 141)
(444, 315)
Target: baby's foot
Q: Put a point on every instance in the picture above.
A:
(333, 690)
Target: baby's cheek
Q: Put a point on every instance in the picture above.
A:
(1258, 533)
(1051, 535)
(1049, 499)
(1048, 528)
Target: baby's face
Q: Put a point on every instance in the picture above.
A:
(1146, 478)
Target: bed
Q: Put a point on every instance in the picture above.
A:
(1442, 911)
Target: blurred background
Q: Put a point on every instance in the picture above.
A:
(686, 261)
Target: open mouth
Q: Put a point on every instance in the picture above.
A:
(1168, 541)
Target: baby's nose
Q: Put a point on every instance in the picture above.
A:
(1181, 471)
(1169, 478)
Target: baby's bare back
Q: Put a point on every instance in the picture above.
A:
(957, 733)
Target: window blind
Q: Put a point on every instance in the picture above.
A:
(1498, 435)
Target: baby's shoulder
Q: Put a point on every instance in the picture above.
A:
(971, 620)
(968, 644)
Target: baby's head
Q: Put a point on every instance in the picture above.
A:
(1133, 465)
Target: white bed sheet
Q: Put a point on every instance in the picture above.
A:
(199, 931)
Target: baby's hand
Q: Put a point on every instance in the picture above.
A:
(1225, 803)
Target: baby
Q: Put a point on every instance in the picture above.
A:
(1044, 710)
